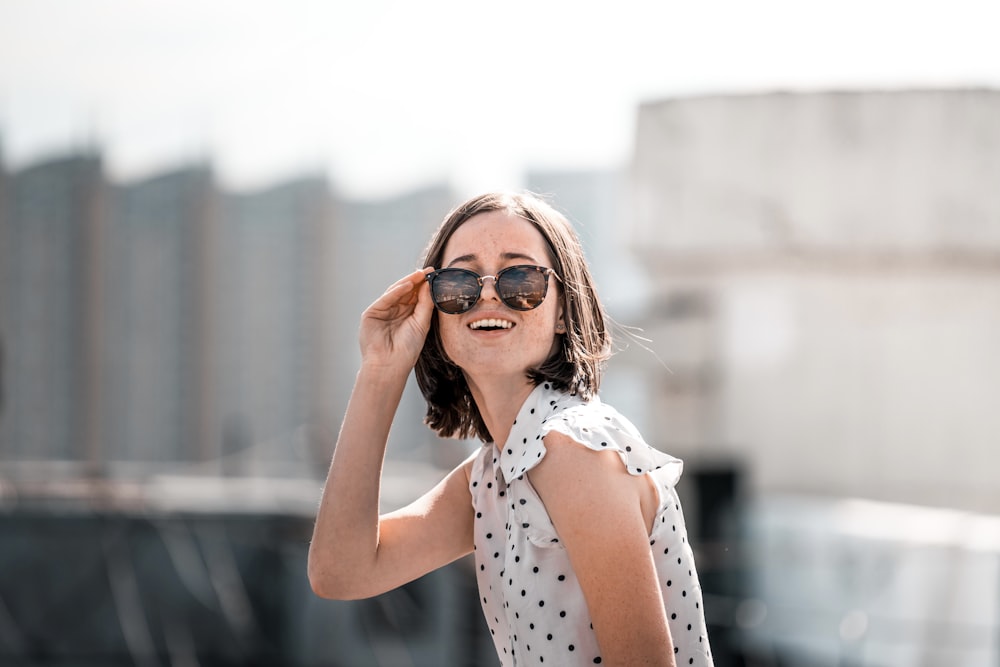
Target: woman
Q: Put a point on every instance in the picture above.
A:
(580, 545)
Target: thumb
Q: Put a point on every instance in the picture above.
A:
(424, 310)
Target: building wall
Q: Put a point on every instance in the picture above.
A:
(156, 335)
(49, 305)
(269, 341)
(162, 324)
(895, 172)
(828, 288)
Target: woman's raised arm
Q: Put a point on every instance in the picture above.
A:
(355, 553)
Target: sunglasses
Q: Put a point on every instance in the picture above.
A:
(522, 287)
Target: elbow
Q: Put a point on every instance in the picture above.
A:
(324, 582)
(330, 582)
(321, 586)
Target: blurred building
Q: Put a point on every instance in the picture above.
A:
(175, 360)
(169, 325)
(274, 339)
(827, 269)
(157, 323)
(51, 217)
(826, 295)
(157, 332)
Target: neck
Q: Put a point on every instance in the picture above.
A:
(499, 400)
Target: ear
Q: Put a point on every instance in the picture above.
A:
(561, 321)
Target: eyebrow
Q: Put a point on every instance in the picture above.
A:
(504, 256)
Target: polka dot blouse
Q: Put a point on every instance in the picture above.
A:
(533, 604)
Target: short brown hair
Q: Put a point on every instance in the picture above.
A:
(579, 360)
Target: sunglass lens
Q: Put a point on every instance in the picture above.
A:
(522, 288)
(455, 291)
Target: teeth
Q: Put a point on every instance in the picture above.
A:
(491, 324)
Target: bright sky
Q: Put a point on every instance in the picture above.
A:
(384, 95)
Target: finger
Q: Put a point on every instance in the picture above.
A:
(424, 307)
(421, 287)
(400, 299)
(396, 297)
(407, 279)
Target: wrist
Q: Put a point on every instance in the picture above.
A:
(382, 374)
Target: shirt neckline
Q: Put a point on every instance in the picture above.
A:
(543, 402)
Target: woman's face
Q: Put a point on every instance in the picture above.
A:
(485, 244)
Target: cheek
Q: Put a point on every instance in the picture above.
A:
(446, 332)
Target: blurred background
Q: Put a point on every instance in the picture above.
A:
(792, 210)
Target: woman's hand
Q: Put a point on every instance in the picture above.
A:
(393, 328)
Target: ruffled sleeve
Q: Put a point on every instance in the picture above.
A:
(598, 427)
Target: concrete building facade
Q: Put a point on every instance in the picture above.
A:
(162, 324)
(51, 218)
(827, 272)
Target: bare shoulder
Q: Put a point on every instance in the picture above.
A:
(572, 467)
(575, 481)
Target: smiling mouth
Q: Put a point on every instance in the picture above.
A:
(490, 325)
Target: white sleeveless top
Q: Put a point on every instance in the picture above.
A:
(533, 604)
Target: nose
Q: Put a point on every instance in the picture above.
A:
(493, 287)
